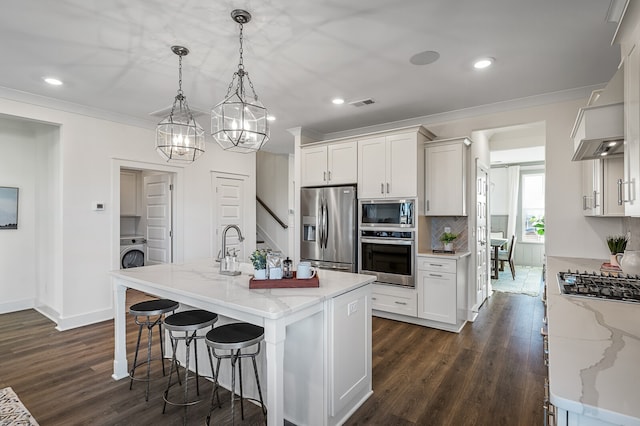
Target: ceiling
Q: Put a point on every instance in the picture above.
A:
(114, 55)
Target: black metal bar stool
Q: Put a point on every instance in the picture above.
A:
(189, 323)
(153, 311)
(234, 338)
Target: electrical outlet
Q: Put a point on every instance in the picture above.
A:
(352, 308)
(447, 229)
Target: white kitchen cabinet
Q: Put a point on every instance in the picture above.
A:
(349, 352)
(632, 132)
(388, 166)
(331, 164)
(130, 193)
(437, 290)
(612, 173)
(445, 177)
(601, 188)
(397, 300)
(590, 187)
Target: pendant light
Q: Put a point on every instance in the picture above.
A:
(239, 123)
(179, 139)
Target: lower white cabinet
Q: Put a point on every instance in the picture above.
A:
(349, 352)
(442, 288)
(394, 299)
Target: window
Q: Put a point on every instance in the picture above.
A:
(533, 207)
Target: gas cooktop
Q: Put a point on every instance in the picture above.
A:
(600, 286)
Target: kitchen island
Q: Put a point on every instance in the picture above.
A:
(594, 353)
(317, 340)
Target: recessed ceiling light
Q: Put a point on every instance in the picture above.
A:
(338, 101)
(483, 63)
(271, 117)
(52, 81)
(425, 58)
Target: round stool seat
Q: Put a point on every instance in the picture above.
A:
(153, 307)
(190, 320)
(235, 336)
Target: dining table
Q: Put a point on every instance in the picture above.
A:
(496, 244)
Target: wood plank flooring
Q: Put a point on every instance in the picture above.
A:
(489, 374)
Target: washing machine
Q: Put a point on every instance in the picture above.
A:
(132, 251)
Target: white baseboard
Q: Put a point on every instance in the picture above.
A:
(77, 320)
(16, 305)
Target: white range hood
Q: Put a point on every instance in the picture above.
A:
(598, 132)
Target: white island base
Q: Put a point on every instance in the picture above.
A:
(317, 349)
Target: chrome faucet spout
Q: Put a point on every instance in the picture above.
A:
(223, 252)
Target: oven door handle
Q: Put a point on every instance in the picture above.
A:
(396, 242)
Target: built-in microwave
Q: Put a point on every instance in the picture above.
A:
(387, 213)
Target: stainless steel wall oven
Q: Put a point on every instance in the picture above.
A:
(389, 255)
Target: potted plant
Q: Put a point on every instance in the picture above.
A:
(617, 244)
(259, 260)
(538, 224)
(447, 238)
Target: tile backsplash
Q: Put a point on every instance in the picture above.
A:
(458, 225)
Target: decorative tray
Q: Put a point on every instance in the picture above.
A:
(285, 282)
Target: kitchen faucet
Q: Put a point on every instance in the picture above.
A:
(224, 268)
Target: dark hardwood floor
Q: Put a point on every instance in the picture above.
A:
(489, 374)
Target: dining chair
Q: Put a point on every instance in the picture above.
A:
(508, 256)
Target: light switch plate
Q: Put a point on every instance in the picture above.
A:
(352, 308)
(447, 229)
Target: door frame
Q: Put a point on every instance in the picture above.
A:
(479, 165)
(177, 200)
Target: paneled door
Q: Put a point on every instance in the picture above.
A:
(482, 264)
(229, 210)
(158, 215)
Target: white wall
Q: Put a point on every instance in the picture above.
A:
(568, 232)
(273, 182)
(80, 246)
(498, 191)
(17, 289)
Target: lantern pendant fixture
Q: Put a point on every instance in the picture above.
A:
(179, 138)
(239, 123)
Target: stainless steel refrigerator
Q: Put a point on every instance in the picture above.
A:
(329, 227)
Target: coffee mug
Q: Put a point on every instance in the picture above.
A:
(305, 271)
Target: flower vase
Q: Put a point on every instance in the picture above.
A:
(614, 260)
(448, 246)
(260, 274)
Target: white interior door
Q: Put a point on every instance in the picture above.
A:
(158, 214)
(482, 261)
(229, 210)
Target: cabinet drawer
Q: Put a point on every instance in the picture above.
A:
(399, 301)
(436, 265)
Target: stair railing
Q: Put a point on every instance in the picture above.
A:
(272, 213)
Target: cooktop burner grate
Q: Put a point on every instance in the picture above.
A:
(603, 286)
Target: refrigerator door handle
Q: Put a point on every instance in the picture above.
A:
(320, 224)
(326, 225)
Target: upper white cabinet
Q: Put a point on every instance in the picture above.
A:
(628, 35)
(130, 193)
(632, 132)
(388, 166)
(602, 188)
(332, 164)
(445, 177)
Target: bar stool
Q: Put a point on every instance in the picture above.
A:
(189, 322)
(234, 337)
(148, 309)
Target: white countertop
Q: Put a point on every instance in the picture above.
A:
(594, 350)
(202, 279)
(456, 255)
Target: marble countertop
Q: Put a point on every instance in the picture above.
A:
(456, 255)
(201, 279)
(594, 350)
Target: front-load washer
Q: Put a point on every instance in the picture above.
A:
(132, 251)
